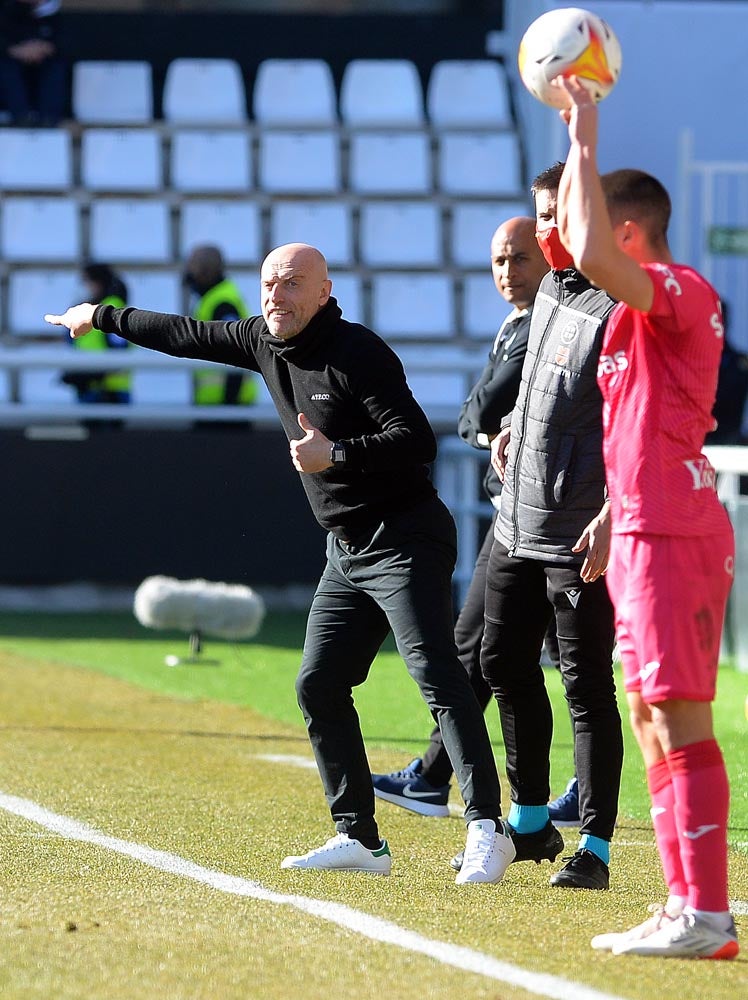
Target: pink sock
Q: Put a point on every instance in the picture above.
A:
(702, 802)
(666, 831)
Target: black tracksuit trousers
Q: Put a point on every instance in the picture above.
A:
(398, 578)
(521, 596)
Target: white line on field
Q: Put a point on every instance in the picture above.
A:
(374, 928)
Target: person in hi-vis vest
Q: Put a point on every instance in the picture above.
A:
(104, 287)
(218, 298)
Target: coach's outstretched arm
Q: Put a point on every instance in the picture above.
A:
(78, 319)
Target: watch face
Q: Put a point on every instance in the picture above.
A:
(338, 453)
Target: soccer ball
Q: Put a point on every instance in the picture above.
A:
(567, 42)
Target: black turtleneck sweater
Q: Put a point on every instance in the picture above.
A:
(347, 382)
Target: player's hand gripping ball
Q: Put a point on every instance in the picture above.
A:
(567, 42)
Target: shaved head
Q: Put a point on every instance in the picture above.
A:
(517, 261)
(295, 287)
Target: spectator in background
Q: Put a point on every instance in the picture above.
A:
(103, 287)
(33, 74)
(218, 298)
(732, 389)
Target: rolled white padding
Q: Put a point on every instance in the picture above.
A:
(225, 610)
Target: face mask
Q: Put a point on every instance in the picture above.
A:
(555, 253)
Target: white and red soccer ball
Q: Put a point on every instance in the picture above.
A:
(569, 41)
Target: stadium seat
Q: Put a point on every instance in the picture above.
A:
(112, 92)
(40, 229)
(482, 307)
(42, 386)
(37, 159)
(323, 224)
(381, 93)
(5, 393)
(472, 226)
(413, 305)
(233, 225)
(444, 385)
(160, 387)
(300, 162)
(390, 163)
(204, 91)
(134, 230)
(160, 291)
(468, 93)
(210, 161)
(479, 163)
(347, 289)
(401, 234)
(294, 93)
(121, 159)
(32, 293)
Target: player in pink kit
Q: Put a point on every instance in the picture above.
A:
(672, 548)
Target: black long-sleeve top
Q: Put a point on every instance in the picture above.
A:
(347, 382)
(494, 394)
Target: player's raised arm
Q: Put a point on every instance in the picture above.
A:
(78, 319)
(583, 220)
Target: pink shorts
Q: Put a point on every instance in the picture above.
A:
(670, 594)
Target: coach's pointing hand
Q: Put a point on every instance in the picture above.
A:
(312, 452)
(78, 319)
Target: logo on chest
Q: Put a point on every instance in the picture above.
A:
(317, 396)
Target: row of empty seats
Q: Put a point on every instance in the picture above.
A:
(297, 92)
(367, 234)
(398, 305)
(279, 162)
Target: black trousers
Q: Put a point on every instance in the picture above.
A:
(397, 579)
(436, 767)
(521, 595)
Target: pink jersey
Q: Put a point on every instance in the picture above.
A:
(658, 377)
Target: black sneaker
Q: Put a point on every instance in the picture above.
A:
(543, 844)
(584, 870)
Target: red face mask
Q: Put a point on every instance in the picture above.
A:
(555, 253)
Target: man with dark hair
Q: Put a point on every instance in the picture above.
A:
(672, 549)
(549, 555)
(362, 445)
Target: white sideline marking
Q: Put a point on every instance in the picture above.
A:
(466, 959)
(295, 760)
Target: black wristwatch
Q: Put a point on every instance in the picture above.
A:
(337, 453)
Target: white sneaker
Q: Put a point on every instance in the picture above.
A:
(685, 937)
(343, 854)
(607, 942)
(489, 850)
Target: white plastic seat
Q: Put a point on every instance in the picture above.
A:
(381, 93)
(468, 93)
(473, 225)
(130, 229)
(390, 163)
(42, 386)
(112, 92)
(438, 388)
(231, 224)
(413, 305)
(37, 159)
(210, 161)
(479, 163)
(32, 293)
(483, 309)
(323, 224)
(300, 162)
(294, 92)
(400, 233)
(5, 393)
(121, 159)
(347, 289)
(160, 291)
(40, 229)
(159, 387)
(204, 91)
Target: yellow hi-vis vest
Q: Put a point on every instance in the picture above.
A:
(210, 384)
(96, 341)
